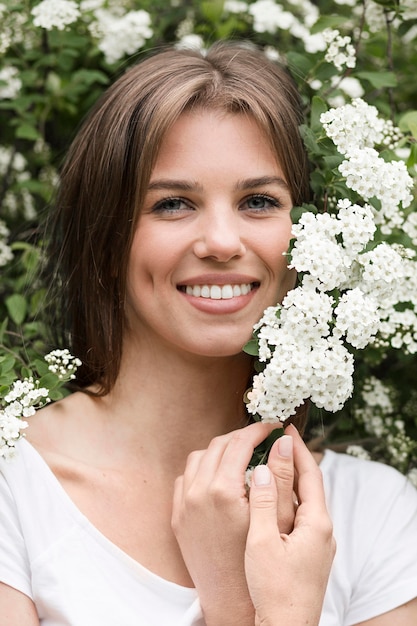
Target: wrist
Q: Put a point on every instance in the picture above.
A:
(228, 612)
(289, 615)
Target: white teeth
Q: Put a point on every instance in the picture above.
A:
(218, 292)
(227, 292)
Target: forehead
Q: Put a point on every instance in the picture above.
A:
(214, 139)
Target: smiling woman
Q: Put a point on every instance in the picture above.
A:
(215, 220)
(100, 201)
(128, 502)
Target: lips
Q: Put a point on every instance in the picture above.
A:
(218, 292)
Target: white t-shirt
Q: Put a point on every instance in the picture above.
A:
(76, 577)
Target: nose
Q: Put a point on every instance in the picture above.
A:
(219, 236)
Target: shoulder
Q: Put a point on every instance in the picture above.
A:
(373, 496)
(56, 428)
(374, 513)
(361, 475)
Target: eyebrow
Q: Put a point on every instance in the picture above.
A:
(247, 183)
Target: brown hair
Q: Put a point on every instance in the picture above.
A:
(107, 170)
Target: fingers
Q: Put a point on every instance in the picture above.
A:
(312, 514)
(309, 477)
(262, 506)
(226, 458)
(281, 464)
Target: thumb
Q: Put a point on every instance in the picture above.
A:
(262, 500)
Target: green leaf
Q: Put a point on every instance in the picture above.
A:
(3, 327)
(17, 308)
(251, 347)
(310, 140)
(212, 10)
(318, 106)
(50, 381)
(328, 21)
(412, 159)
(333, 161)
(41, 367)
(408, 123)
(88, 77)
(379, 79)
(261, 452)
(7, 363)
(299, 64)
(27, 131)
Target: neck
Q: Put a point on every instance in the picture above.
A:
(172, 402)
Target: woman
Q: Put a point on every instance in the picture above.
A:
(128, 506)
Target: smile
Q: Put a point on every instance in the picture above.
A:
(218, 292)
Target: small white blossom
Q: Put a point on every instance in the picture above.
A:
(410, 227)
(357, 318)
(10, 76)
(269, 16)
(349, 85)
(235, 6)
(359, 452)
(63, 364)
(58, 14)
(190, 42)
(372, 177)
(340, 51)
(6, 253)
(353, 126)
(24, 397)
(120, 35)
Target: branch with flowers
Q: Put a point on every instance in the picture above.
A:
(346, 336)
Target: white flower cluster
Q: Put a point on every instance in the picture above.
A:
(305, 360)
(378, 416)
(269, 16)
(13, 28)
(120, 34)
(235, 6)
(63, 364)
(14, 165)
(58, 14)
(358, 451)
(410, 227)
(340, 51)
(21, 402)
(9, 75)
(26, 396)
(6, 253)
(354, 289)
(356, 129)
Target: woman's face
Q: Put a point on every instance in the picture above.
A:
(207, 256)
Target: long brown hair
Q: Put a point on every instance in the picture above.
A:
(108, 167)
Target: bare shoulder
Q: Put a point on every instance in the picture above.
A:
(55, 428)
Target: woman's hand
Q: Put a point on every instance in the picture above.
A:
(211, 520)
(287, 574)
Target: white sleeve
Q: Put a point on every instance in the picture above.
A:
(388, 576)
(14, 563)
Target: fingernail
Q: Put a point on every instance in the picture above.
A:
(285, 444)
(261, 475)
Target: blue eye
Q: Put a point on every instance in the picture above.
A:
(171, 205)
(261, 202)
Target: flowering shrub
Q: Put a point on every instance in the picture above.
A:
(346, 337)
